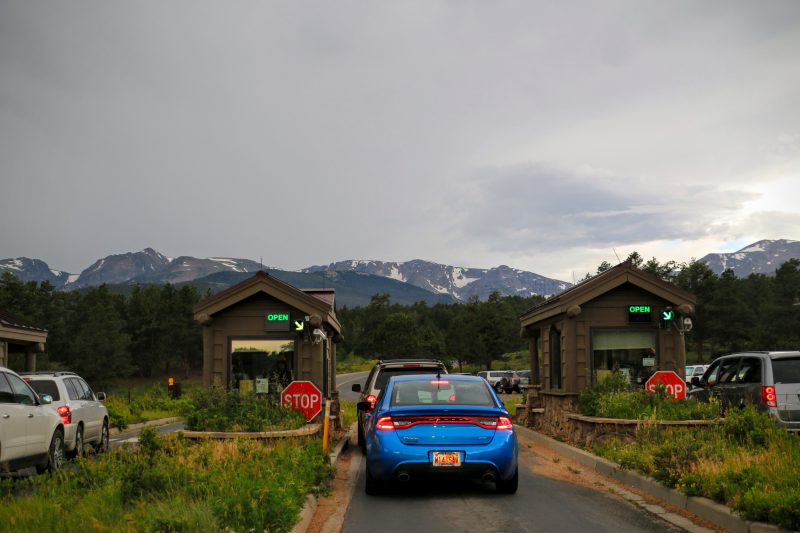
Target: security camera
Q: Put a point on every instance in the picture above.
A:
(319, 335)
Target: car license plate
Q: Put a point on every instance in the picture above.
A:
(446, 459)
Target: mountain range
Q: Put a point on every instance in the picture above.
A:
(356, 281)
(460, 283)
(762, 257)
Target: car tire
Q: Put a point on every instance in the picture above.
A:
(80, 446)
(102, 445)
(372, 486)
(510, 485)
(55, 454)
(362, 443)
(499, 387)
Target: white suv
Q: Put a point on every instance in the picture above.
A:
(84, 417)
(31, 433)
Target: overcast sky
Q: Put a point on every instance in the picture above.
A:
(540, 135)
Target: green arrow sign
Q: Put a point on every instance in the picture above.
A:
(669, 314)
(298, 325)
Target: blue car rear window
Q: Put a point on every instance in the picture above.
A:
(441, 392)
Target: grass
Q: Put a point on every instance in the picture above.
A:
(511, 405)
(747, 462)
(218, 410)
(172, 484)
(354, 363)
(613, 397)
(348, 413)
(145, 401)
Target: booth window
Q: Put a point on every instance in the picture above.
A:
(261, 366)
(631, 353)
(555, 359)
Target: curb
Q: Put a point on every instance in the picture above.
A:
(113, 432)
(310, 507)
(705, 508)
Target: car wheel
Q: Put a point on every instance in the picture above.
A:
(55, 454)
(499, 387)
(373, 487)
(102, 445)
(509, 486)
(79, 447)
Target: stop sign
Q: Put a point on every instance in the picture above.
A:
(673, 385)
(302, 396)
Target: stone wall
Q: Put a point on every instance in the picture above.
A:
(558, 417)
(550, 415)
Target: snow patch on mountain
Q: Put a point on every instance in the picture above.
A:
(761, 257)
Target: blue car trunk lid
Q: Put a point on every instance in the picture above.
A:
(445, 427)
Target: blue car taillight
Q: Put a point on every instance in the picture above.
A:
(387, 423)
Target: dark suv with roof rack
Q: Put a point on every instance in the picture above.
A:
(379, 376)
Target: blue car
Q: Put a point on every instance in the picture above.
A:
(431, 426)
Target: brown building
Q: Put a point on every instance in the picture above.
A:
(609, 323)
(20, 337)
(262, 333)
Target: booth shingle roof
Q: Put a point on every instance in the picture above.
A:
(11, 321)
(575, 292)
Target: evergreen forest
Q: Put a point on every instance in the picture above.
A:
(150, 331)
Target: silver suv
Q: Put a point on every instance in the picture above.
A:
(31, 433)
(769, 380)
(501, 380)
(379, 376)
(84, 417)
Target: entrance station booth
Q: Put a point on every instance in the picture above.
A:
(261, 334)
(17, 336)
(622, 320)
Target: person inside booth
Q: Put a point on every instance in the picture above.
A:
(282, 374)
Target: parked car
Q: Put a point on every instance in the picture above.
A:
(31, 433)
(694, 371)
(379, 376)
(769, 380)
(84, 417)
(433, 426)
(501, 380)
(524, 378)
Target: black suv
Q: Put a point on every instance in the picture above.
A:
(379, 376)
(769, 380)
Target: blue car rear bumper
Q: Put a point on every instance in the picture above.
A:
(387, 456)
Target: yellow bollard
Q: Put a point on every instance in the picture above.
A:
(326, 426)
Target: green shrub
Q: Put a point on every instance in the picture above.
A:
(147, 403)
(781, 508)
(747, 462)
(119, 412)
(672, 460)
(749, 427)
(589, 399)
(217, 410)
(614, 398)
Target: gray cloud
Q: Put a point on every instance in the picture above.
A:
(314, 132)
(543, 208)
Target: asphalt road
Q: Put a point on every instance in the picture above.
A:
(344, 383)
(130, 438)
(542, 504)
